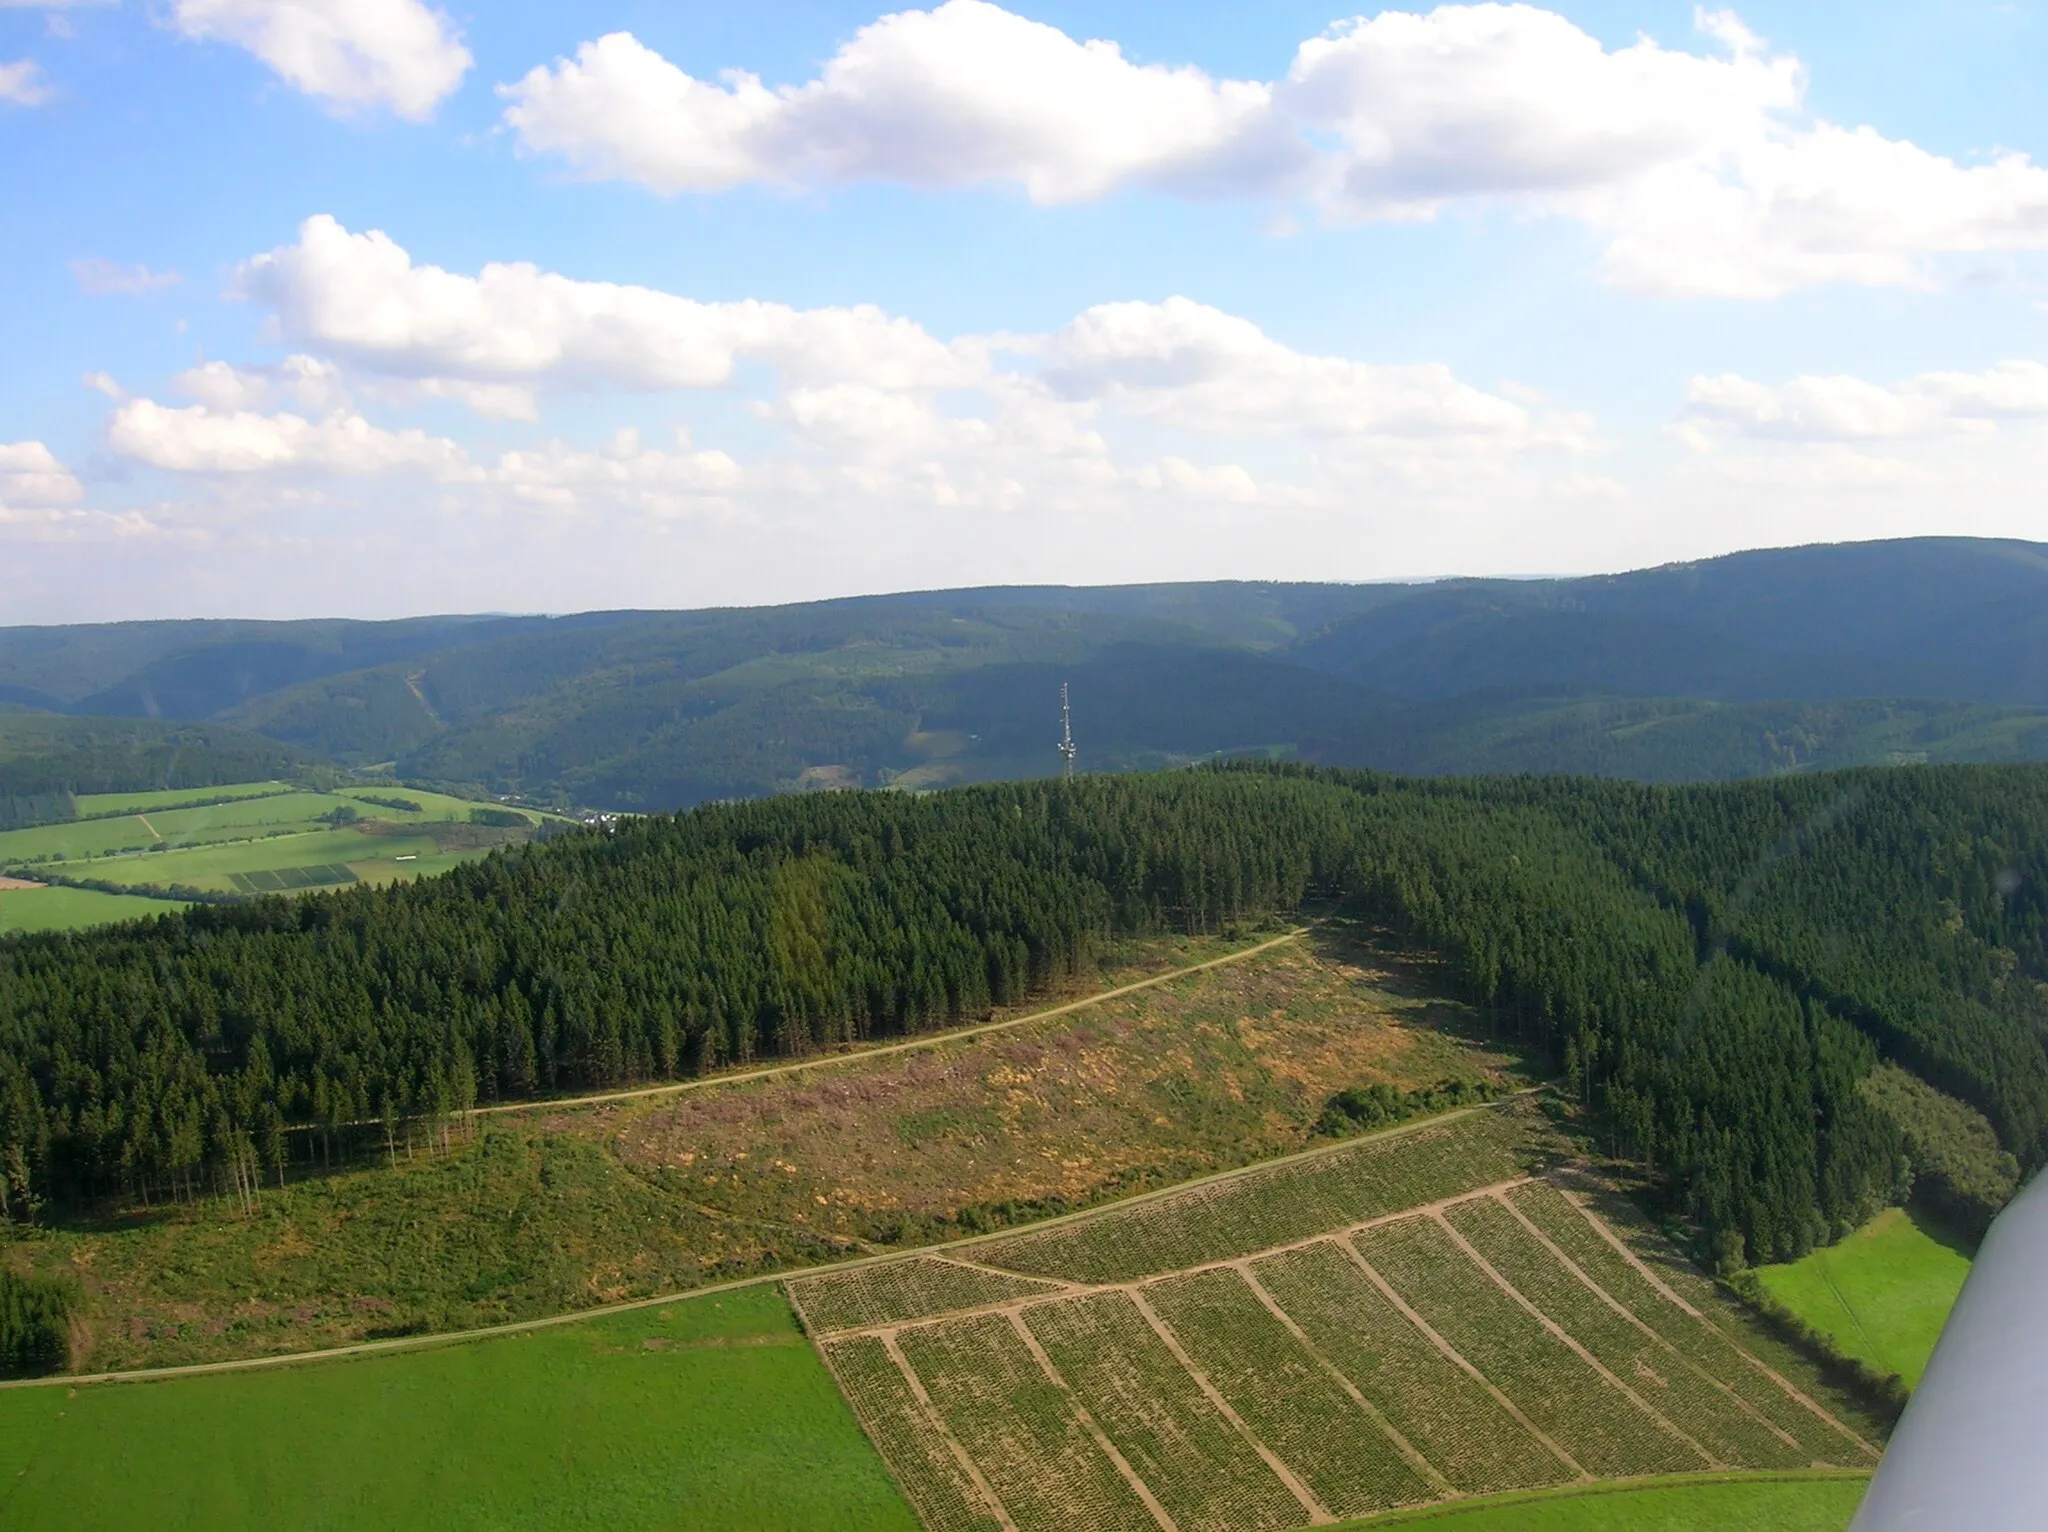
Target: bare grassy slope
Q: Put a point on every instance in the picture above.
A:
(556, 1209)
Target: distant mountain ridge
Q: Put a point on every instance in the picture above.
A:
(1785, 659)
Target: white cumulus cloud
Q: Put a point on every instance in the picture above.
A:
(853, 383)
(1704, 172)
(1206, 371)
(1513, 101)
(1131, 410)
(624, 473)
(361, 297)
(305, 381)
(351, 54)
(1848, 409)
(493, 401)
(22, 83)
(201, 440)
(959, 95)
(31, 475)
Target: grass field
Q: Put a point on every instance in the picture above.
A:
(708, 1413)
(212, 866)
(252, 838)
(93, 805)
(71, 909)
(1882, 1294)
(1428, 1337)
(241, 819)
(1810, 1504)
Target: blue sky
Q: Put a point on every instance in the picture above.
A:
(369, 308)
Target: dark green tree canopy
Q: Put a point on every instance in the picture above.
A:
(1712, 969)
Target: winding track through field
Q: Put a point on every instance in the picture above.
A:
(885, 1050)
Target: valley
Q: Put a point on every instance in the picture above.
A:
(1750, 665)
(978, 768)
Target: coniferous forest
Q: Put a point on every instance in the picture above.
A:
(1715, 971)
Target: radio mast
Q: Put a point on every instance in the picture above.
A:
(1066, 732)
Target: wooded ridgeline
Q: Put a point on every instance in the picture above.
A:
(1713, 969)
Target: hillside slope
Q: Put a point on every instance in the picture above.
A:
(1713, 970)
(1794, 659)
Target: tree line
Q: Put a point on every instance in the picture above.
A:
(1713, 971)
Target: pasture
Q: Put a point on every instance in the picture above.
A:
(1424, 1315)
(1881, 1294)
(98, 805)
(1796, 1503)
(251, 838)
(711, 1412)
(26, 910)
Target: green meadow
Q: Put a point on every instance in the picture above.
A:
(253, 838)
(200, 825)
(1882, 1294)
(212, 866)
(710, 1413)
(25, 910)
(1815, 1503)
(431, 805)
(92, 805)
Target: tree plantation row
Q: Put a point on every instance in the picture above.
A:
(1716, 971)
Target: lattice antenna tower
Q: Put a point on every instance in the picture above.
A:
(1066, 733)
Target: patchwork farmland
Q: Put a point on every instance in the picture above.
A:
(1419, 1317)
(128, 855)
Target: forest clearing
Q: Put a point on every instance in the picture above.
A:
(1070, 1105)
(1425, 1316)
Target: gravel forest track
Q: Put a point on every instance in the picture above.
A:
(886, 1050)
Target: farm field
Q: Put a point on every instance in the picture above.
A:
(550, 1208)
(94, 805)
(1811, 1503)
(24, 910)
(1881, 1294)
(709, 1412)
(213, 866)
(1206, 1361)
(251, 838)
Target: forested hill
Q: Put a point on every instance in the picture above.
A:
(1927, 650)
(1717, 972)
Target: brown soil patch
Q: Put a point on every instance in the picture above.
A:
(18, 885)
(1200, 1074)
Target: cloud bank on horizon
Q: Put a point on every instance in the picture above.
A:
(542, 424)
